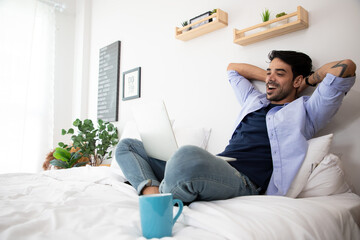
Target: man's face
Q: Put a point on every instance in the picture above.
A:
(279, 82)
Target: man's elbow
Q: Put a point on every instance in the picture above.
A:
(231, 66)
(351, 67)
(344, 68)
(235, 66)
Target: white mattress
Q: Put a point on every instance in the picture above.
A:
(94, 203)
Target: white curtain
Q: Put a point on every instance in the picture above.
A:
(27, 45)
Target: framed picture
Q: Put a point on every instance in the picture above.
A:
(131, 84)
(202, 16)
(109, 82)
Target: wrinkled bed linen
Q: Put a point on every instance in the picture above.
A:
(94, 203)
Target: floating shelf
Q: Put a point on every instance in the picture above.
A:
(302, 22)
(219, 20)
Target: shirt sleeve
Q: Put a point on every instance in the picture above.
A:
(326, 100)
(242, 87)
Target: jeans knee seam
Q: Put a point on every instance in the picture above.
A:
(140, 166)
(177, 186)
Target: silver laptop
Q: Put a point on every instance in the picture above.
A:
(156, 130)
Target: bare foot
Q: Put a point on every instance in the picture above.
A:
(150, 190)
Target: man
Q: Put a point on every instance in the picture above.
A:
(269, 142)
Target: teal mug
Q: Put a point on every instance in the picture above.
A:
(156, 214)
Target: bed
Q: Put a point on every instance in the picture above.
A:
(96, 203)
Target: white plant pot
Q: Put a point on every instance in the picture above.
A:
(264, 28)
(282, 22)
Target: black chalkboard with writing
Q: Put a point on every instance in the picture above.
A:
(108, 88)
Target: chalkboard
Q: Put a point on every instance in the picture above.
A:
(108, 88)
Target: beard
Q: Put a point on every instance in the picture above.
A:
(276, 92)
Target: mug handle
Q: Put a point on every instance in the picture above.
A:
(180, 204)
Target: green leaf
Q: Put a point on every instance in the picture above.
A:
(61, 144)
(92, 140)
(110, 128)
(63, 131)
(62, 154)
(280, 14)
(59, 163)
(77, 122)
(114, 141)
(75, 156)
(80, 164)
(88, 124)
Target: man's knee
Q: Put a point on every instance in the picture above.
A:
(186, 164)
(189, 156)
(125, 145)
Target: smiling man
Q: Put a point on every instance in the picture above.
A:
(269, 142)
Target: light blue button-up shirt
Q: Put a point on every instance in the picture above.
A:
(290, 126)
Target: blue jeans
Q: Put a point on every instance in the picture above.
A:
(192, 173)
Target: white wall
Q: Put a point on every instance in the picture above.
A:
(64, 69)
(191, 76)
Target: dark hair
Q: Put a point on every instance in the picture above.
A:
(301, 64)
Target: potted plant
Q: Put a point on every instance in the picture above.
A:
(185, 23)
(65, 159)
(93, 143)
(213, 12)
(280, 14)
(281, 22)
(265, 16)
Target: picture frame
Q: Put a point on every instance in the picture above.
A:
(109, 82)
(202, 16)
(131, 84)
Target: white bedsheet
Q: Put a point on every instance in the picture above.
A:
(93, 203)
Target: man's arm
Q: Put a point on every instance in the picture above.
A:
(345, 68)
(248, 71)
(326, 100)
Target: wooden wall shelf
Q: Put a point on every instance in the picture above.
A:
(219, 20)
(301, 22)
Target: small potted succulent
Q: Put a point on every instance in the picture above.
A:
(281, 22)
(213, 12)
(185, 23)
(265, 16)
(280, 14)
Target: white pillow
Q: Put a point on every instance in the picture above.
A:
(130, 131)
(191, 135)
(317, 150)
(327, 179)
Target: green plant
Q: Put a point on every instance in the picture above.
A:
(65, 159)
(265, 15)
(92, 142)
(280, 14)
(185, 23)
